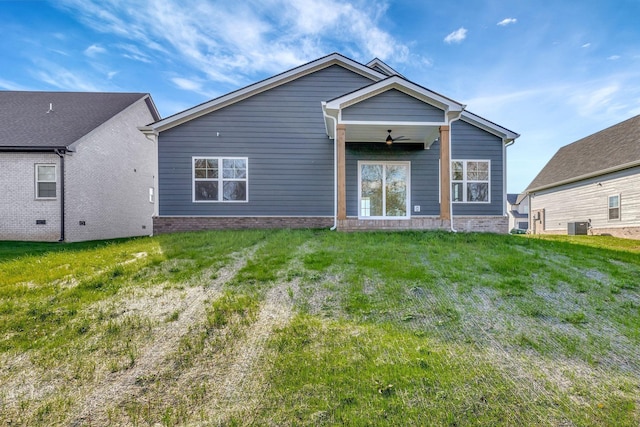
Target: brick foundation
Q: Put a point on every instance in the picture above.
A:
(624, 232)
(171, 224)
(488, 224)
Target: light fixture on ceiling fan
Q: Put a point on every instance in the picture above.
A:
(390, 140)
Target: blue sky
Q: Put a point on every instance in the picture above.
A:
(553, 71)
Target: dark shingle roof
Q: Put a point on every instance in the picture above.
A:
(615, 147)
(25, 120)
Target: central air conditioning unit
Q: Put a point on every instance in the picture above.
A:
(577, 228)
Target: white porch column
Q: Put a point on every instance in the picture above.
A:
(342, 185)
(445, 174)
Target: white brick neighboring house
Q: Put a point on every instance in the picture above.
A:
(74, 166)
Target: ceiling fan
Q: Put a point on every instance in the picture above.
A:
(390, 140)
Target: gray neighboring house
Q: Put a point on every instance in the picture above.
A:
(74, 166)
(332, 143)
(518, 211)
(594, 181)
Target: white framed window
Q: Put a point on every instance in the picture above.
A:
(384, 189)
(470, 181)
(614, 207)
(152, 197)
(46, 181)
(220, 179)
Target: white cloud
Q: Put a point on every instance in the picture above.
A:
(593, 99)
(457, 36)
(586, 45)
(94, 50)
(187, 84)
(234, 42)
(112, 74)
(133, 52)
(9, 85)
(614, 57)
(507, 21)
(64, 79)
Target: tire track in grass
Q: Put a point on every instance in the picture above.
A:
(241, 386)
(118, 387)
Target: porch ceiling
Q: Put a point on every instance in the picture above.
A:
(419, 133)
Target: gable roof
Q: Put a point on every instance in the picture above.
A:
(379, 65)
(263, 85)
(610, 150)
(401, 84)
(507, 135)
(50, 120)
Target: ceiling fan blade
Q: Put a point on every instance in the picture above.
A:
(400, 138)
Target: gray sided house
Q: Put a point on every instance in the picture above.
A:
(74, 166)
(591, 186)
(332, 143)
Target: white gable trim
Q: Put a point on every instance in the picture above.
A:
(475, 120)
(264, 85)
(398, 83)
(387, 69)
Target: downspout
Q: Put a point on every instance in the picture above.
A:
(60, 154)
(453, 230)
(504, 176)
(335, 168)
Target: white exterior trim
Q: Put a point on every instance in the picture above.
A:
(264, 85)
(473, 119)
(465, 181)
(408, 184)
(36, 181)
(220, 179)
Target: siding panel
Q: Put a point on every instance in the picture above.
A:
(588, 200)
(393, 105)
(471, 143)
(281, 131)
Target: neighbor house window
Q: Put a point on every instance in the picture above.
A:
(220, 179)
(614, 207)
(45, 181)
(383, 189)
(470, 181)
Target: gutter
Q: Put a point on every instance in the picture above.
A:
(585, 176)
(61, 153)
(335, 165)
(33, 149)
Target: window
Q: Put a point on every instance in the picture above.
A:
(383, 190)
(470, 181)
(151, 195)
(45, 181)
(219, 179)
(614, 207)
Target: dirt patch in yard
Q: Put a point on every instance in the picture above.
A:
(189, 304)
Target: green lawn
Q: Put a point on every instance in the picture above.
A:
(316, 328)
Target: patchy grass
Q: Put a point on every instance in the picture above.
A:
(318, 328)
